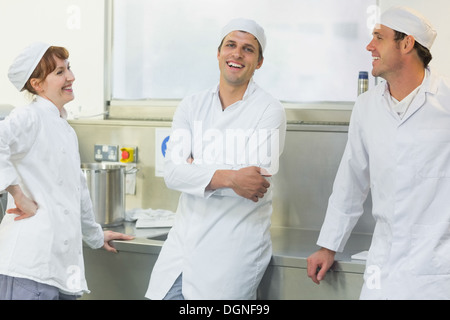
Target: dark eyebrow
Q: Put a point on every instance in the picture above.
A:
(245, 44)
(250, 45)
(58, 68)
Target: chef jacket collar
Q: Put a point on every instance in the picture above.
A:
(250, 89)
(50, 106)
(429, 84)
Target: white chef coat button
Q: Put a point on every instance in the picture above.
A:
(66, 242)
(60, 182)
(63, 150)
(66, 211)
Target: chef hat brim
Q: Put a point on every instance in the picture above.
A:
(25, 63)
(410, 22)
(247, 25)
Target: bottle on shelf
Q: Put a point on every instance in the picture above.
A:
(363, 82)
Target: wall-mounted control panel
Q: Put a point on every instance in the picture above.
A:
(113, 153)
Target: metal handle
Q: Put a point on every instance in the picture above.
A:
(132, 170)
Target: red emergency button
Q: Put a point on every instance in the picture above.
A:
(125, 155)
(128, 155)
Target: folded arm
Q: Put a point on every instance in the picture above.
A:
(246, 182)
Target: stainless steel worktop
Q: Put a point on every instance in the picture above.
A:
(125, 275)
(291, 246)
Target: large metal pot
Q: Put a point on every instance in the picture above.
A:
(106, 183)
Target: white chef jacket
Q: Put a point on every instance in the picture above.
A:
(405, 163)
(39, 151)
(219, 241)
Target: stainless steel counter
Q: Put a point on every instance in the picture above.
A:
(125, 275)
(286, 276)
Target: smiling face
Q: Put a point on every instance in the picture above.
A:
(57, 86)
(238, 58)
(386, 52)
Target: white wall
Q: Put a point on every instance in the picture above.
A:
(437, 12)
(77, 25)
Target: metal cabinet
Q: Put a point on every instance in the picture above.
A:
(126, 275)
(291, 283)
(122, 276)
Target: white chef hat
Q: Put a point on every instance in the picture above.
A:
(25, 63)
(247, 25)
(410, 22)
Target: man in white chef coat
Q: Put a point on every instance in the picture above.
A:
(224, 146)
(399, 149)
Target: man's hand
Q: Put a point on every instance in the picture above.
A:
(25, 207)
(111, 235)
(318, 264)
(247, 182)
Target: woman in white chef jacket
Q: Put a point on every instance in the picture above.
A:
(50, 211)
(399, 148)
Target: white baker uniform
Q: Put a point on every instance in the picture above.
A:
(405, 163)
(219, 241)
(39, 151)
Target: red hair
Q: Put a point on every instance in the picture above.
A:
(46, 66)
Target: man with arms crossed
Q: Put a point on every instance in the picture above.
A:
(225, 144)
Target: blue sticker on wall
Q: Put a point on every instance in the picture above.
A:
(164, 146)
